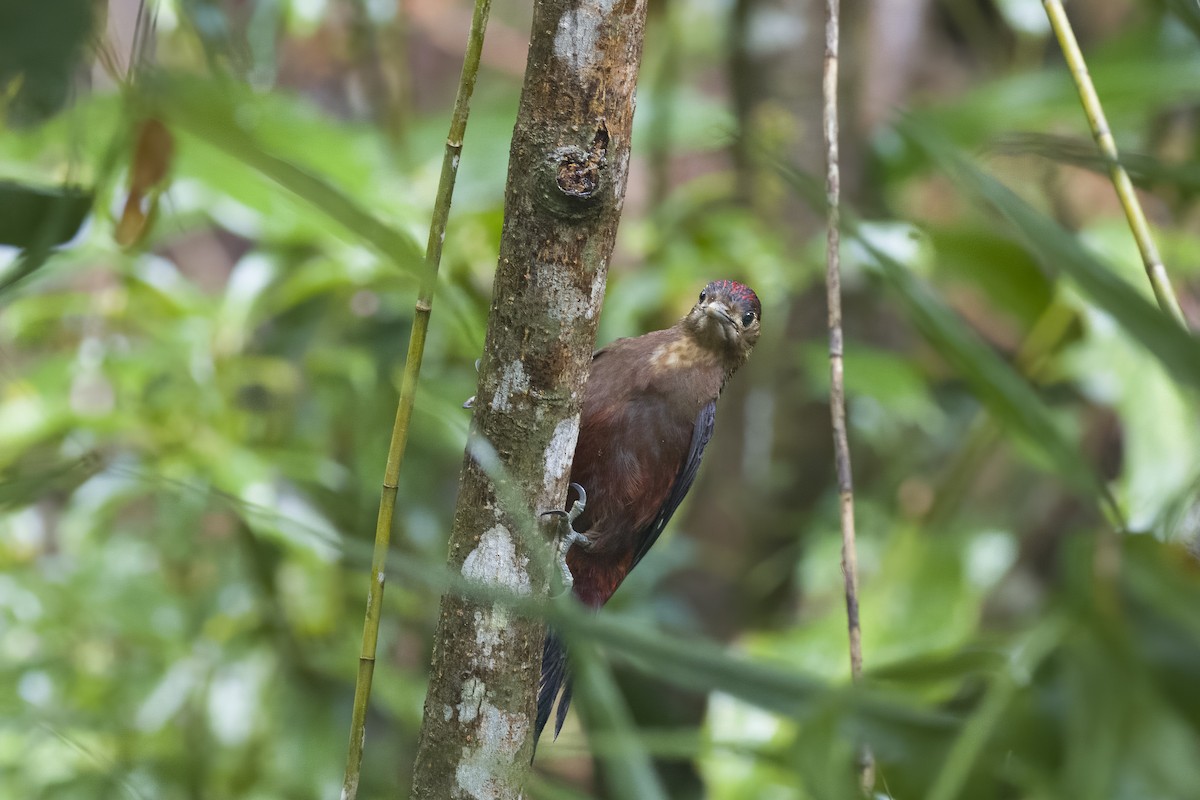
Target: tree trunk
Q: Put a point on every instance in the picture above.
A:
(566, 182)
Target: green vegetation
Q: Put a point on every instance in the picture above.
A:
(193, 428)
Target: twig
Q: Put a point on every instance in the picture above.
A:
(408, 387)
(1155, 271)
(837, 389)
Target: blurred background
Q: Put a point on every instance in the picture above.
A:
(207, 289)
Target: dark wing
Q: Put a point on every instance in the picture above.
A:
(683, 482)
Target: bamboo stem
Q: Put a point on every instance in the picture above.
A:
(408, 387)
(1160, 282)
(837, 389)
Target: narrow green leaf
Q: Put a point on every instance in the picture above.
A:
(1008, 396)
(628, 766)
(1040, 99)
(1026, 656)
(1059, 252)
(703, 666)
(212, 116)
(996, 383)
(1144, 169)
(694, 663)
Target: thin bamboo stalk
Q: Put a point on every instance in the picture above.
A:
(1160, 282)
(408, 388)
(837, 388)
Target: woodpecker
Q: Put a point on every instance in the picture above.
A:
(647, 415)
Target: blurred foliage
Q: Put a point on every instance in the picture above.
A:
(193, 426)
(43, 45)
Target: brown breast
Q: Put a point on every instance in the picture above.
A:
(642, 400)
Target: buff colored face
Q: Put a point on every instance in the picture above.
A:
(727, 315)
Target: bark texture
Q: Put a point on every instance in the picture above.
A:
(566, 181)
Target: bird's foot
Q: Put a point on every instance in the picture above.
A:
(570, 536)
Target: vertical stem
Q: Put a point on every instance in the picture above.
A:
(366, 54)
(837, 389)
(408, 388)
(741, 81)
(659, 131)
(1155, 271)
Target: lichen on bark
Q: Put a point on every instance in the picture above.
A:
(566, 180)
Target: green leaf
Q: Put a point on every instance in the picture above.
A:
(1186, 12)
(1143, 168)
(1037, 100)
(1006, 394)
(212, 115)
(1027, 654)
(1008, 277)
(625, 760)
(704, 666)
(1059, 252)
(40, 45)
(41, 216)
(35, 219)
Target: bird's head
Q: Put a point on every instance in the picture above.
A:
(726, 319)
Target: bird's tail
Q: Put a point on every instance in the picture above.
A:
(555, 681)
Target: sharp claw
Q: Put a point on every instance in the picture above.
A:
(579, 506)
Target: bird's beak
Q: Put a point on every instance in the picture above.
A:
(718, 311)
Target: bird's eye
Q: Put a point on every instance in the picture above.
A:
(703, 296)
(747, 319)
